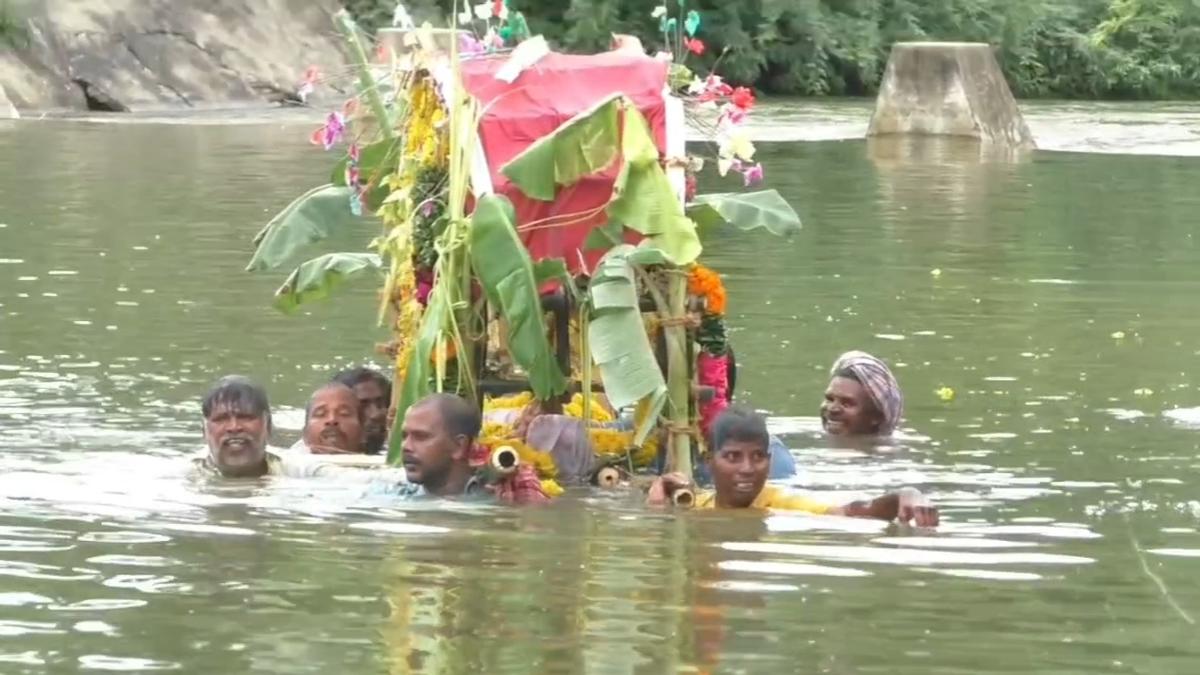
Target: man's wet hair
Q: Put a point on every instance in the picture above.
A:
(738, 424)
(459, 416)
(308, 407)
(352, 377)
(237, 393)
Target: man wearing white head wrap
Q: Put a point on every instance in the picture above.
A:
(863, 397)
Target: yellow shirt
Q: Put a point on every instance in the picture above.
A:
(771, 497)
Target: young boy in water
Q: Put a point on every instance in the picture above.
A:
(739, 461)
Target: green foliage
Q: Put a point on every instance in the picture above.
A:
(579, 147)
(315, 279)
(746, 211)
(14, 32)
(508, 276)
(1059, 48)
(617, 338)
(312, 217)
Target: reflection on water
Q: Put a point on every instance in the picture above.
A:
(1053, 295)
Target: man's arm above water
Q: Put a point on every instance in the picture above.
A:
(904, 505)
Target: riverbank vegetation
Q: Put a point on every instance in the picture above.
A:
(1119, 49)
(13, 32)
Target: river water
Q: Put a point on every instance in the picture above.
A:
(1055, 296)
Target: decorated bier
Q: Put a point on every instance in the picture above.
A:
(538, 243)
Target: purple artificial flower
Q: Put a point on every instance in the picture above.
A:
(751, 175)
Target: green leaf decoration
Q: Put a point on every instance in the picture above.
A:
(692, 23)
(419, 372)
(581, 146)
(370, 159)
(311, 218)
(315, 279)
(555, 269)
(672, 23)
(510, 281)
(746, 210)
(604, 237)
(617, 338)
(643, 198)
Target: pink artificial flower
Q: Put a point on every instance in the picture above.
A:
(308, 84)
(731, 115)
(714, 88)
(751, 175)
(694, 46)
(329, 134)
(349, 108)
(355, 153)
(743, 98)
(497, 8)
(467, 44)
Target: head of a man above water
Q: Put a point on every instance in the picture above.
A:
(438, 434)
(739, 456)
(333, 420)
(848, 409)
(374, 393)
(237, 424)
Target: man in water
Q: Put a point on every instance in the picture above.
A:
(237, 425)
(333, 421)
(862, 399)
(374, 393)
(739, 460)
(438, 436)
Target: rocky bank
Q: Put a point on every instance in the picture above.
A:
(128, 54)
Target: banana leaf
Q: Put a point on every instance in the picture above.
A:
(746, 211)
(511, 284)
(419, 371)
(311, 218)
(617, 336)
(381, 154)
(581, 146)
(315, 279)
(643, 198)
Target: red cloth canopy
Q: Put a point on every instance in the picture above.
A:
(544, 96)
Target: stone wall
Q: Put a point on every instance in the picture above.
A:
(129, 54)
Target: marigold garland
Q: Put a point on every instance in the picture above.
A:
(705, 283)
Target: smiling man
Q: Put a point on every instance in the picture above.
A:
(862, 399)
(237, 426)
(740, 461)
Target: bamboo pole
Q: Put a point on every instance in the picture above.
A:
(370, 88)
(679, 390)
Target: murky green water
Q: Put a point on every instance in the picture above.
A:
(1066, 464)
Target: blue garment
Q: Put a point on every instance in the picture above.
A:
(783, 465)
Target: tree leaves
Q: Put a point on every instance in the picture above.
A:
(746, 211)
(510, 282)
(581, 146)
(312, 217)
(617, 338)
(315, 279)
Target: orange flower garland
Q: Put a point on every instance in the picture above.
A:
(705, 283)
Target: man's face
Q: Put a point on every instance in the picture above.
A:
(237, 440)
(333, 422)
(848, 410)
(739, 471)
(373, 403)
(429, 451)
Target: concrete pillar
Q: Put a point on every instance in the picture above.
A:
(948, 89)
